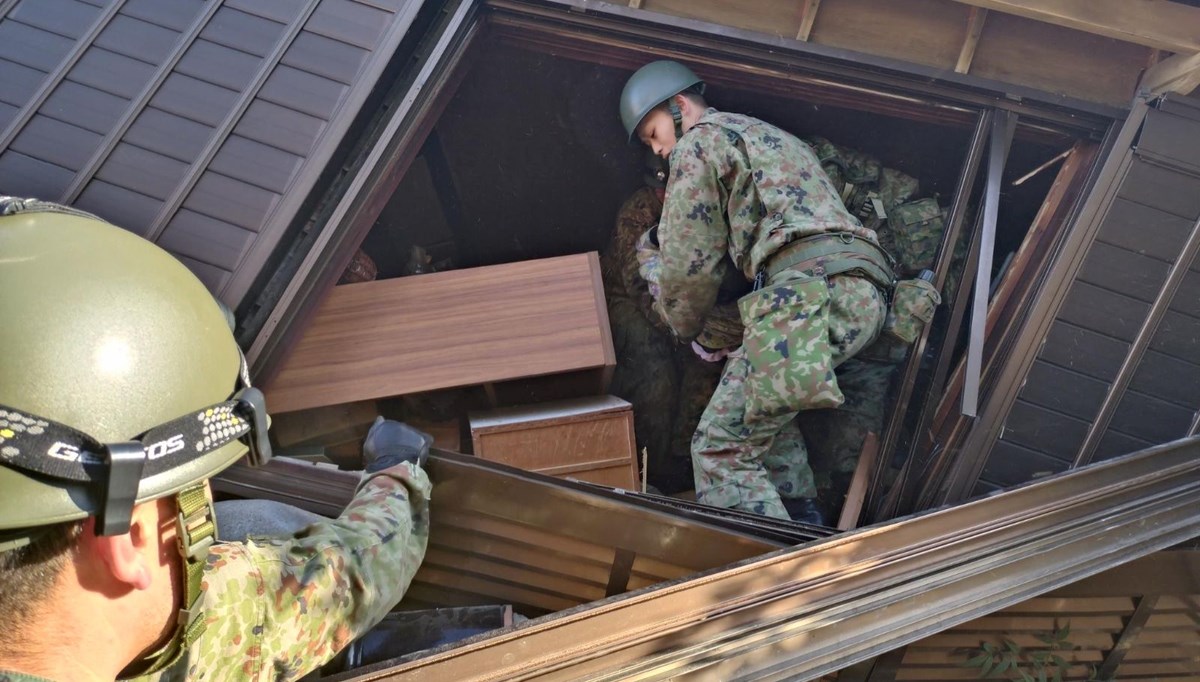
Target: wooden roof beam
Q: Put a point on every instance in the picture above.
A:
(1154, 23)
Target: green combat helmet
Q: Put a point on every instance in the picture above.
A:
(650, 86)
(120, 382)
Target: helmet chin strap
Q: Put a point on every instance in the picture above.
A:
(676, 115)
(196, 531)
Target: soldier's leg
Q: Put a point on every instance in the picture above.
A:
(728, 453)
(836, 437)
(646, 376)
(787, 463)
(697, 382)
(856, 314)
(857, 311)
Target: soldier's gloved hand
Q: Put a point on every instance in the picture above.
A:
(709, 355)
(391, 442)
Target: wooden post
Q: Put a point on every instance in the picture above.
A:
(857, 494)
(974, 27)
(808, 14)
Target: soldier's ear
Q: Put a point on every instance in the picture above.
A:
(128, 558)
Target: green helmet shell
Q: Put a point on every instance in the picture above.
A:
(649, 87)
(109, 334)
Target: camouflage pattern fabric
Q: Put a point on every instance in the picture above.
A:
(618, 264)
(738, 459)
(722, 327)
(278, 608)
(742, 187)
(697, 382)
(913, 304)
(868, 190)
(745, 188)
(788, 347)
(917, 227)
(835, 437)
(20, 677)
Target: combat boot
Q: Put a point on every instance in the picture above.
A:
(805, 510)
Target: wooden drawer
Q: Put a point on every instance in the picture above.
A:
(590, 439)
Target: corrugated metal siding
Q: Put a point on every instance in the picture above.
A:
(1113, 362)
(201, 125)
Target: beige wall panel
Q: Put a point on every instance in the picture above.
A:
(928, 32)
(774, 17)
(1055, 59)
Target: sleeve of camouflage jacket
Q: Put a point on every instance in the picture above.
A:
(279, 608)
(693, 234)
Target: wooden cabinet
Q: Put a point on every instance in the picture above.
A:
(590, 439)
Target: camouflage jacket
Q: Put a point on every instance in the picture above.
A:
(739, 186)
(279, 608)
(625, 277)
(6, 676)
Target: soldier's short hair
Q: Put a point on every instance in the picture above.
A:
(28, 573)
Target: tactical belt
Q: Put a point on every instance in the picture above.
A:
(833, 254)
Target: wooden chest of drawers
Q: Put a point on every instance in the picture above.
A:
(589, 439)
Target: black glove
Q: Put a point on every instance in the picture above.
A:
(391, 442)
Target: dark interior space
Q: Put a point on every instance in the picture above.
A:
(528, 160)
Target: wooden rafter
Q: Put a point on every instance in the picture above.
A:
(971, 41)
(1127, 638)
(1154, 23)
(808, 14)
(1180, 73)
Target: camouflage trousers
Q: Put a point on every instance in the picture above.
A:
(835, 436)
(748, 452)
(698, 380)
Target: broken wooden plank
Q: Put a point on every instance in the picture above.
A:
(856, 495)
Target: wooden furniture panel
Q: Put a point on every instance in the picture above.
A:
(589, 439)
(448, 329)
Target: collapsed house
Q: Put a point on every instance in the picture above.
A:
(266, 144)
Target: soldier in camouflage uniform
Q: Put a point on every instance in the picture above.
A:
(122, 391)
(743, 188)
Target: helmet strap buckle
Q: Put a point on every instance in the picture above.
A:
(253, 405)
(676, 115)
(122, 475)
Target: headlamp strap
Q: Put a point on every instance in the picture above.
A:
(52, 449)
